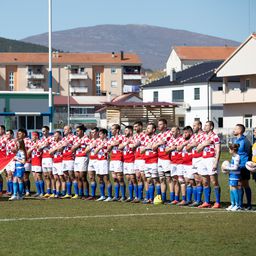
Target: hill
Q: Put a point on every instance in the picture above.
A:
(152, 43)
(8, 45)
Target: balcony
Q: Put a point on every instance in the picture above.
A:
(77, 89)
(234, 96)
(131, 88)
(36, 88)
(36, 76)
(132, 76)
(78, 76)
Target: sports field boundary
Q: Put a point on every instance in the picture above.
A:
(120, 215)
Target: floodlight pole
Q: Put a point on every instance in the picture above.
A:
(50, 63)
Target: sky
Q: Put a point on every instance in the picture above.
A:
(230, 19)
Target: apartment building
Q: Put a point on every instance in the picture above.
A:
(88, 78)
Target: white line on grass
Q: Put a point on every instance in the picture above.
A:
(110, 216)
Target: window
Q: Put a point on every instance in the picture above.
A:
(11, 81)
(220, 88)
(98, 81)
(30, 122)
(248, 121)
(196, 93)
(178, 96)
(155, 96)
(181, 121)
(247, 84)
(82, 70)
(113, 71)
(220, 122)
(113, 84)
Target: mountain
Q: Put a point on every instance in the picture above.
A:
(8, 45)
(152, 43)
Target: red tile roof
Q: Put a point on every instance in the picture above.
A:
(204, 52)
(70, 58)
(63, 100)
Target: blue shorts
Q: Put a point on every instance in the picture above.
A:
(233, 183)
(19, 173)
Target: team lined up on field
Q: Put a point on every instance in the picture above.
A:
(146, 161)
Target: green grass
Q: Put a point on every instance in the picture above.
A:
(170, 230)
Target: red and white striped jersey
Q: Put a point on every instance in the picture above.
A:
(10, 146)
(128, 152)
(198, 138)
(3, 142)
(45, 143)
(27, 142)
(116, 154)
(176, 157)
(67, 152)
(93, 145)
(36, 154)
(103, 152)
(139, 138)
(163, 136)
(151, 156)
(83, 142)
(209, 151)
(57, 155)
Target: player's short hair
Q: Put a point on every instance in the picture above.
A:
(242, 127)
(81, 127)
(104, 131)
(153, 125)
(138, 123)
(46, 127)
(198, 122)
(211, 123)
(10, 131)
(117, 126)
(163, 120)
(96, 129)
(59, 132)
(176, 127)
(129, 127)
(22, 130)
(3, 127)
(188, 128)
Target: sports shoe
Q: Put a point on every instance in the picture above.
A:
(102, 198)
(248, 208)
(36, 195)
(76, 197)
(128, 200)
(67, 196)
(182, 203)
(235, 208)
(41, 195)
(147, 201)
(90, 198)
(13, 198)
(114, 199)
(122, 199)
(52, 196)
(27, 194)
(216, 206)
(109, 199)
(46, 195)
(204, 205)
(229, 208)
(195, 204)
(20, 198)
(174, 202)
(136, 200)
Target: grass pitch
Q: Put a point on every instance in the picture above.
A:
(77, 227)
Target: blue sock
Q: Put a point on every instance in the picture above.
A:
(164, 196)
(140, 191)
(189, 193)
(183, 198)
(195, 193)
(207, 194)
(151, 189)
(11, 186)
(38, 187)
(75, 187)
(21, 188)
(172, 196)
(122, 187)
(58, 193)
(199, 194)
(248, 193)
(236, 197)
(158, 189)
(135, 186)
(117, 187)
(176, 198)
(147, 194)
(41, 185)
(48, 191)
(110, 190)
(240, 199)
(69, 187)
(54, 191)
(93, 188)
(1, 187)
(15, 188)
(130, 190)
(217, 194)
(102, 189)
(64, 192)
(232, 198)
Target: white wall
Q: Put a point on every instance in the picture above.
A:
(173, 62)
